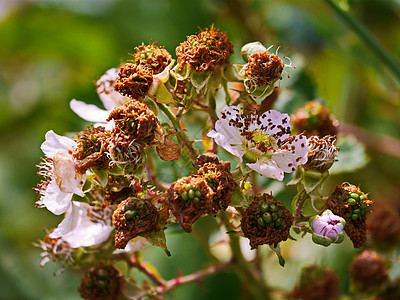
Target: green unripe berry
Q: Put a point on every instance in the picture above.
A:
(184, 196)
(130, 214)
(363, 205)
(198, 194)
(348, 215)
(356, 211)
(267, 217)
(191, 194)
(272, 207)
(261, 222)
(280, 214)
(363, 197)
(264, 207)
(274, 216)
(196, 200)
(355, 196)
(278, 223)
(354, 217)
(351, 201)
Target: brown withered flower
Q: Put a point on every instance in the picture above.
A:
(314, 119)
(322, 153)
(205, 51)
(152, 57)
(384, 225)
(101, 282)
(266, 221)
(350, 203)
(390, 292)
(189, 198)
(263, 68)
(219, 178)
(92, 149)
(368, 270)
(316, 283)
(133, 217)
(134, 81)
(134, 121)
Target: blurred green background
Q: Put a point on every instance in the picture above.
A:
(52, 51)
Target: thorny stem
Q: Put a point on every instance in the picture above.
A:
(192, 152)
(366, 37)
(172, 284)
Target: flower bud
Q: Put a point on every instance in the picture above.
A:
(327, 228)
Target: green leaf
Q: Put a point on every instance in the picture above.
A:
(238, 199)
(200, 79)
(157, 238)
(352, 155)
(312, 179)
(277, 250)
(151, 104)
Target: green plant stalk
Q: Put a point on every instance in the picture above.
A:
(255, 285)
(192, 152)
(367, 38)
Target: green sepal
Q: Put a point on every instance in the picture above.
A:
(157, 238)
(102, 175)
(261, 92)
(278, 253)
(298, 176)
(239, 68)
(160, 93)
(200, 79)
(313, 179)
(321, 240)
(151, 104)
(340, 238)
(250, 49)
(184, 72)
(229, 74)
(238, 199)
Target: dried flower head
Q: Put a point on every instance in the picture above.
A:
(91, 150)
(384, 225)
(134, 81)
(152, 57)
(391, 291)
(205, 51)
(314, 119)
(322, 153)
(135, 122)
(266, 221)
(133, 217)
(189, 198)
(316, 283)
(349, 202)
(263, 69)
(101, 282)
(220, 180)
(368, 270)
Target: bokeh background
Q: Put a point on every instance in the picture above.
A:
(52, 51)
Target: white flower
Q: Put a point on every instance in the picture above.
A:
(59, 169)
(263, 142)
(327, 228)
(134, 245)
(79, 229)
(108, 95)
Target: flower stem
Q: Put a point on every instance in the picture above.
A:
(366, 37)
(191, 152)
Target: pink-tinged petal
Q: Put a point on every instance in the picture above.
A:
(89, 112)
(276, 124)
(106, 91)
(225, 142)
(224, 127)
(112, 100)
(292, 153)
(55, 200)
(318, 226)
(267, 168)
(286, 161)
(54, 142)
(331, 232)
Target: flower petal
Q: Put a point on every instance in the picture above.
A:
(267, 168)
(276, 124)
(89, 112)
(71, 220)
(55, 200)
(54, 143)
(106, 91)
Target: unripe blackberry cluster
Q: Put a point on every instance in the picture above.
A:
(356, 205)
(190, 193)
(132, 218)
(270, 215)
(103, 282)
